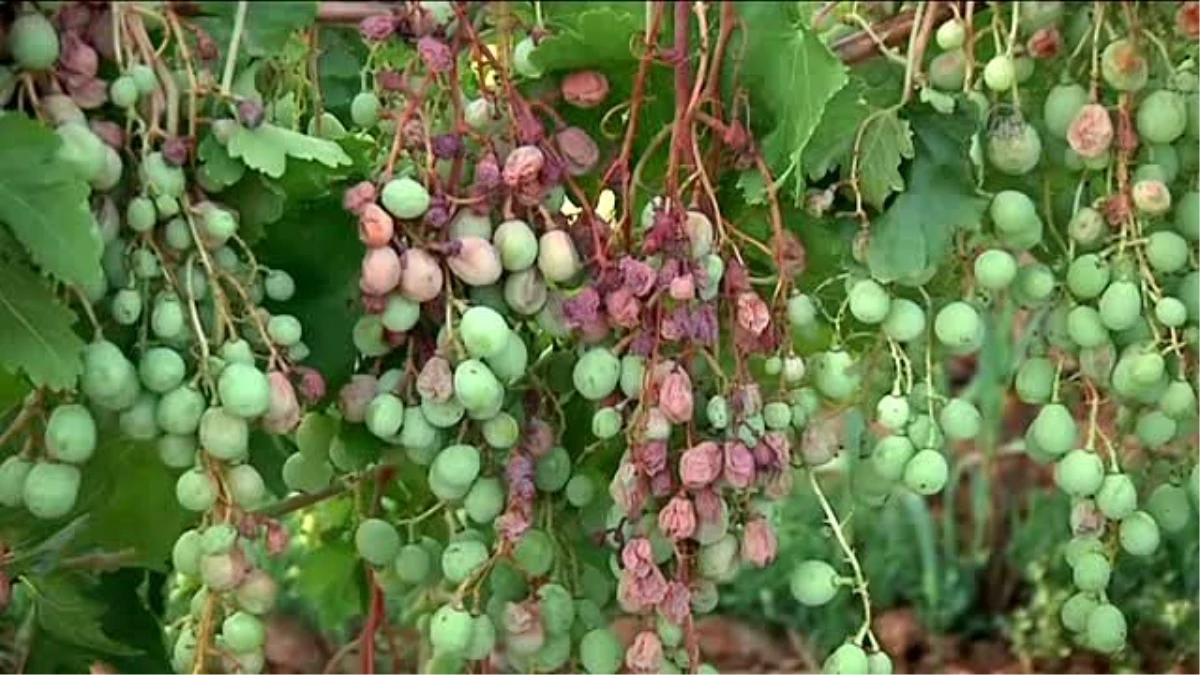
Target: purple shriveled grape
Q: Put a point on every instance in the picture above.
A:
(175, 150)
(740, 468)
(390, 80)
(74, 17)
(356, 395)
(759, 543)
(701, 465)
(435, 54)
(109, 132)
(357, 196)
(447, 146)
(283, 413)
(1045, 43)
(377, 28)
(87, 91)
(645, 655)
(677, 520)
(522, 165)
(650, 457)
(437, 215)
(637, 276)
(585, 88)
(578, 149)
(675, 396)
(582, 309)
(78, 56)
(622, 308)
(310, 384)
(435, 382)
(250, 113)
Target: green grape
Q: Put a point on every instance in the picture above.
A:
(279, 286)
(950, 34)
(846, 659)
(413, 564)
(144, 78)
(1123, 67)
(1015, 151)
(33, 41)
(891, 455)
(1087, 227)
(521, 60)
(161, 369)
(892, 411)
(186, 553)
(1168, 505)
(224, 436)
(441, 415)
(553, 471)
(534, 553)
(195, 491)
(773, 366)
(995, 269)
(1139, 534)
(1162, 117)
(400, 314)
(219, 538)
(405, 198)
(512, 361)
(557, 608)
(1080, 473)
(502, 431)
(385, 415)
(483, 331)
(814, 583)
(596, 373)
(284, 329)
(1155, 429)
(1105, 629)
(364, 109)
(999, 74)
(483, 639)
(126, 307)
(179, 411)
(958, 325)
(1077, 546)
(1178, 400)
(1054, 429)
(836, 375)
(606, 423)
(123, 92)
(1085, 327)
(416, 432)
(485, 500)
(177, 452)
(1167, 251)
(1188, 291)
(462, 558)
(960, 419)
(1117, 497)
(1187, 215)
(669, 633)
(1120, 305)
(926, 473)
(601, 652)
(1088, 276)
(13, 472)
(1035, 284)
(377, 541)
(450, 630)
(879, 663)
(1076, 609)
(305, 474)
(137, 422)
(924, 432)
(476, 387)
(869, 302)
(244, 390)
(166, 319)
(948, 70)
(801, 311)
(456, 465)
(1091, 572)
(517, 245)
(237, 351)
(777, 415)
(580, 490)
(140, 214)
(70, 434)
(1170, 312)
(246, 486)
(1060, 107)
(905, 320)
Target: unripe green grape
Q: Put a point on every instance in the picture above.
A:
(1123, 67)
(179, 410)
(999, 74)
(773, 366)
(512, 361)
(413, 564)
(1105, 629)
(1054, 429)
(846, 659)
(891, 455)
(243, 632)
(138, 421)
(485, 500)
(814, 583)
(244, 390)
(502, 431)
(1167, 251)
(304, 474)
(1075, 611)
(284, 329)
(1168, 505)
(1170, 312)
(957, 325)
(161, 369)
(1117, 497)
(279, 286)
(1154, 429)
(836, 375)
(400, 314)
(596, 373)
(960, 419)
(1087, 276)
(926, 473)
(580, 490)
(364, 109)
(995, 269)
(176, 451)
(1188, 291)
(246, 486)
(70, 434)
(606, 423)
(13, 472)
(950, 34)
(441, 415)
(1139, 534)
(50, 489)
(905, 320)
(1087, 227)
(33, 41)
(143, 78)
(1080, 473)
(195, 491)
(557, 608)
(126, 306)
(1085, 327)
(1187, 215)
(948, 70)
(1061, 106)
(718, 560)
(1035, 284)
(892, 411)
(1120, 305)
(462, 558)
(140, 214)
(377, 541)
(224, 436)
(405, 198)
(517, 245)
(186, 553)
(1015, 151)
(777, 415)
(1161, 117)
(1092, 572)
(869, 302)
(801, 311)
(1178, 400)
(553, 471)
(483, 639)
(534, 553)
(385, 415)
(879, 663)
(601, 652)
(82, 151)
(123, 92)
(483, 331)
(219, 538)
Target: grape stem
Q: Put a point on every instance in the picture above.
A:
(860, 582)
(235, 41)
(302, 501)
(28, 411)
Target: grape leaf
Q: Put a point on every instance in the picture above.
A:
(328, 577)
(217, 163)
(598, 34)
(44, 204)
(831, 143)
(342, 56)
(35, 331)
(268, 25)
(267, 148)
(794, 75)
(886, 142)
(259, 201)
(65, 612)
(916, 230)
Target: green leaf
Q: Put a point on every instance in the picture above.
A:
(753, 187)
(267, 148)
(588, 36)
(915, 232)
(220, 166)
(65, 612)
(886, 142)
(44, 204)
(794, 74)
(831, 143)
(328, 577)
(268, 25)
(35, 331)
(259, 201)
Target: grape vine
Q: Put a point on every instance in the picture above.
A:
(561, 300)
